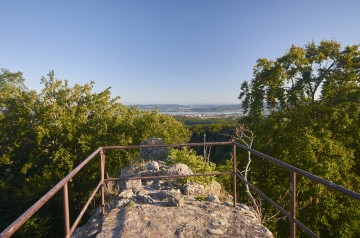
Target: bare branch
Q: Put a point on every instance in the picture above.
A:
(246, 136)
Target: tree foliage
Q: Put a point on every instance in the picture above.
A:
(44, 136)
(304, 108)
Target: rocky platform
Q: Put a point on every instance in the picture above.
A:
(194, 219)
(152, 209)
(168, 208)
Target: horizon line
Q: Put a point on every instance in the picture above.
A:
(183, 104)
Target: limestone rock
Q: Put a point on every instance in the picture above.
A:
(121, 202)
(148, 173)
(215, 231)
(156, 185)
(157, 208)
(213, 198)
(143, 192)
(144, 199)
(178, 169)
(168, 193)
(134, 185)
(214, 188)
(159, 153)
(175, 200)
(152, 165)
(193, 189)
(126, 194)
(130, 170)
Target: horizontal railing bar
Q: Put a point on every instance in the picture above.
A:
(84, 208)
(168, 176)
(282, 210)
(13, 227)
(165, 145)
(302, 172)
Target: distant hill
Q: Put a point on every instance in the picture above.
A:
(193, 109)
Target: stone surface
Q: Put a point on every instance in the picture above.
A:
(134, 185)
(213, 198)
(215, 231)
(160, 153)
(166, 193)
(214, 188)
(156, 184)
(194, 219)
(128, 193)
(158, 209)
(152, 165)
(144, 199)
(178, 169)
(193, 189)
(175, 200)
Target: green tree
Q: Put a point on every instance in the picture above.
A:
(304, 108)
(43, 136)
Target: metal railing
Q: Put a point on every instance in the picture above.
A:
(63, 184)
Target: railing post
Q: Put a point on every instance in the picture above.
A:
(234, 174)
(292, 204)
(66, 211)
(102, 172)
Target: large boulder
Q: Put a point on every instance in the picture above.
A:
(213, 189)
(178, 169)
(134, 185)
(193, 189)
(159, 153)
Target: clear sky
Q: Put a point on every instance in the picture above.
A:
(164, 51)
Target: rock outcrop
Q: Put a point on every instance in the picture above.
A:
(164, 208)
(157, 153)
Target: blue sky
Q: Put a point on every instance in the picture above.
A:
(164, 51)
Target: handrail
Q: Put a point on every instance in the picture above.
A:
(165, 145)
(277, 206)
(302, 172)
(11, 229)
(14, 226)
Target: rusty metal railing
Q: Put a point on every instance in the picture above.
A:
(63, 184)
(293, 171)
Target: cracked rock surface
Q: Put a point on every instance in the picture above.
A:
(158, 208)
(194, 219)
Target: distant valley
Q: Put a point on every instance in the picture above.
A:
(209, 110)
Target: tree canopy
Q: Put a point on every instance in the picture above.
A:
(304, 108)
(303, 76)
(43, 136)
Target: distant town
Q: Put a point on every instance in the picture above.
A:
(204, 111)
